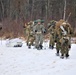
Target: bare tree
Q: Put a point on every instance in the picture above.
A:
(64, 16)
(2, 9)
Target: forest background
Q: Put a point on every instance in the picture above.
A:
(15, 13)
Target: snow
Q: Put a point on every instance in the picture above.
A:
(24, 61)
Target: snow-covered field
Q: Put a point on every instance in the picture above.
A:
(24, 61)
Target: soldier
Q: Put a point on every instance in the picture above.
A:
(27, 31)
(30, 37)
(25, 27)
(51, 29)
(63, 34)
(69, 31)
(58, 35)
(39, 30)
(66, 39)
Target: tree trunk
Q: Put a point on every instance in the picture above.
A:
(64, 10)
(2, 9)
(32, 10)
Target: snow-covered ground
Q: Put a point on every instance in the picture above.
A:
(24, 61)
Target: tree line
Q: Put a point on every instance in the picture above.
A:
(14, 13)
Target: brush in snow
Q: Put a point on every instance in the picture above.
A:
(17, 45)
(14, 42)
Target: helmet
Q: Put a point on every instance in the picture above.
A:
(39, 20)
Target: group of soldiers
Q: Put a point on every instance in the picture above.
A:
(60, 35)
(35, 31)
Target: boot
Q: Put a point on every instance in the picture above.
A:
(62, 56)
(50, 46)
(33, 44)
(37, 47)
(40, 46)
(67, 55)
(29, 46)
(69, 46)
(57, 54)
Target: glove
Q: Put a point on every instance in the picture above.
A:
(44, 31)
(35, 30)
(69, 46)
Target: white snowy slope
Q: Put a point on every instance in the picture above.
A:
(24, 61)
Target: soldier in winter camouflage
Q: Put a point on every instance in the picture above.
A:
(58, 35)
(30, 36)
(51, 29)
(63, 33)
(65, 40)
